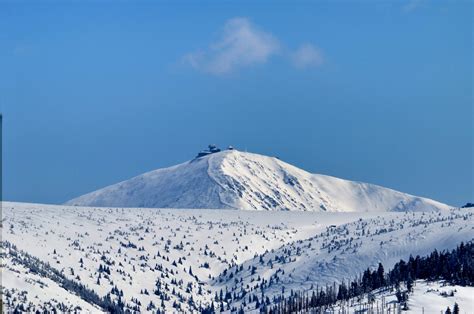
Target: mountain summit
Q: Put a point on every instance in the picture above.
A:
(232, 179)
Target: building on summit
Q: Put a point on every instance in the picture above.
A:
(211, 150)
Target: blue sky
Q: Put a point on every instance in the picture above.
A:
(95, 93)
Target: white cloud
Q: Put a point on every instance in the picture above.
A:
(242, 44)
(412, 5)
(306, 56)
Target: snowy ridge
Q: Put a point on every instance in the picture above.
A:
(238, 180)
(344, 251)
(186, 185)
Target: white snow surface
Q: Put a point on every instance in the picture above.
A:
(241, 180)
(145, 246)
(35, 291)
(434, 297)
(426, 297)
(346, 250)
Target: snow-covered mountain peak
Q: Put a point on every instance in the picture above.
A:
(232, 179)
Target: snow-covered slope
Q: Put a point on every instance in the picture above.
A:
(37, 293)
(178, 259)
(238, 180)
(426, 297)
(344, 251)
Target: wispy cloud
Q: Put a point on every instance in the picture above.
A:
(306, 56)
(241, 44)
(412, 5)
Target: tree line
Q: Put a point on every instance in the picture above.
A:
(455, 267)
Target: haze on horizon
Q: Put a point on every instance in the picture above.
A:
(95, 93)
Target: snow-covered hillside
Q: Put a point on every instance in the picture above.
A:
(426, 297)
(178, 260)
(344, 251)
(238, 180)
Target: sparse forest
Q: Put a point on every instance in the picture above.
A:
(158, 261)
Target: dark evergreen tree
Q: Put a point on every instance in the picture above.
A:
(456, 308)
